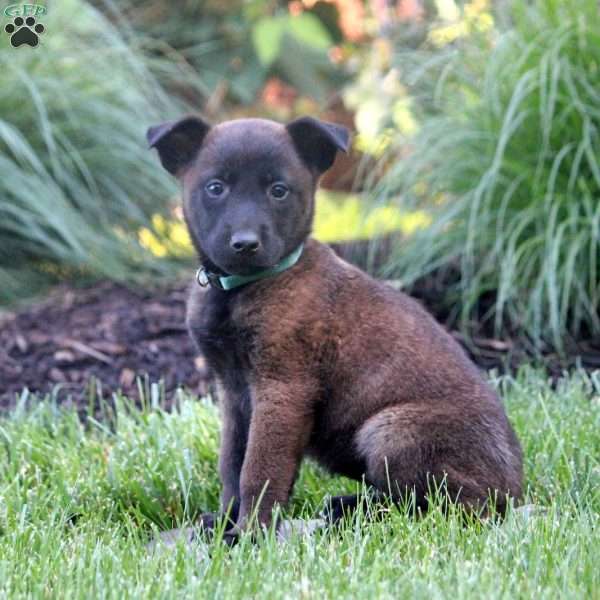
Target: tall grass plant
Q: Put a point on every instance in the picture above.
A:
(76, 178)
(507, 162)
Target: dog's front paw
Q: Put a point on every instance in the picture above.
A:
(211, 522)
(232, 535)
(208, 521)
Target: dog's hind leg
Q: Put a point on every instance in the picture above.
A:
(412, 450)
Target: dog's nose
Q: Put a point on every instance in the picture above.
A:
(245, 242)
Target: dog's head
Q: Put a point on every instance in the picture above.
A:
(248, 184)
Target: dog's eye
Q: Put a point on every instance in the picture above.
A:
(215, 188)
(279, 191)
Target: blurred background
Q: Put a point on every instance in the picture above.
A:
(473, 182)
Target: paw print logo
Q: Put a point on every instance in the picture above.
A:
(24, 31)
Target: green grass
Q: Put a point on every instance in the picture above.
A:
(79, 501)
(506, 161)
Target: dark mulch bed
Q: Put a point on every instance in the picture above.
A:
(111, 333)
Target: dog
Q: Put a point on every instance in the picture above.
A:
(312, 356)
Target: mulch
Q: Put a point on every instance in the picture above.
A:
(111, 333)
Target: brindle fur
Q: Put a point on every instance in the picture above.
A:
(322, 360)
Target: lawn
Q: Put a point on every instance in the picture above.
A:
(80, 498)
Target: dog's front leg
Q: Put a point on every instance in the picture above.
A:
(235, 421)
(279, 431)
(234, 438)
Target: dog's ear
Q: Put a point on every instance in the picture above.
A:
(178, 142)
(317, 142)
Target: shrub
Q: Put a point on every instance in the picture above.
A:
(507, 161)
(76, 178)
(239, 45)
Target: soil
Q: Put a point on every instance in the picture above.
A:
(111, 333)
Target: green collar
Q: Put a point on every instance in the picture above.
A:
(229, 282)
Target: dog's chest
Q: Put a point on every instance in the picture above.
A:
(225, 341)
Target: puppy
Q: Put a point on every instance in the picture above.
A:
(314, 357)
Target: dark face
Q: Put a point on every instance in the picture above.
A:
(248, 185)
(248, 198)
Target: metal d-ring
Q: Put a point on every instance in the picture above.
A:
(202, 277)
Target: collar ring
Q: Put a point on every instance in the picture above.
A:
(202, 277)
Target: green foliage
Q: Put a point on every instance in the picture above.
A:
(237, 46)
(76, 177)
(268, 32)
(506, 160)
(344, 217)
(78, 502)
(213, 39)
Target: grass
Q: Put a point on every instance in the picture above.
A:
(506, 161)
(77, 180)
(80, 499)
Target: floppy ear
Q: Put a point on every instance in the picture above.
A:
(317, 142)
(177, 142)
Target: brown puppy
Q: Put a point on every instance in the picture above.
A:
(315, 357)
